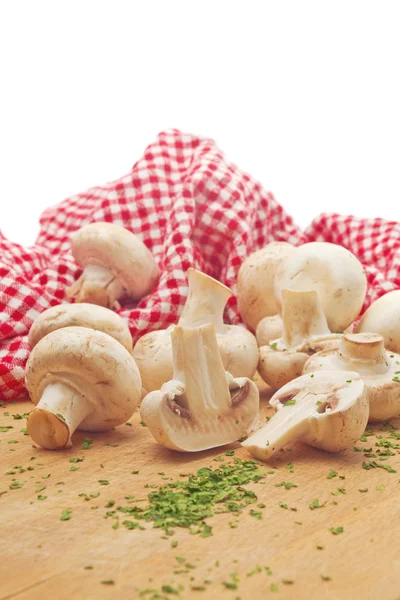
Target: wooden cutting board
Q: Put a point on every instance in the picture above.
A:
(297, 554)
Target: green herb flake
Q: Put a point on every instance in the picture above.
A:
(86, 444)
(331, 474)
(286, 484)
(315, 504)
(326, 578)
(40, 497)
(168, 589)
(66, 515)
(273, 587)
(336, 530)
(104, 482)
(290, 402)
(46, 476)
(108, 582)
(76, 459)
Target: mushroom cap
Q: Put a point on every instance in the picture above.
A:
(383, 316)
(153, 355)
(80, 315)
(92, 363)
(277, 367)
(379, 373)
(178, 429)
(120, 251)
(269, 329)
(334, 272)
(255, 284)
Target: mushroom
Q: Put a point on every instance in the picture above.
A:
(383, 316)
(205, 304)
(114, 262)
(269, 329)
(328, 410)
(82, 315)
(305, 331)
(331, 270)
(82, 379)
(203, 406)
(365, 354)
(255, 284)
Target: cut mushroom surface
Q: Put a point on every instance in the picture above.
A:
(80, 315)
(82, 379)
(203, 406)
(255, 284)
(331, 270)
(304, 331)
(205, 304)
(327, 409)
(365, 353)
(383, 316)
(114, 261)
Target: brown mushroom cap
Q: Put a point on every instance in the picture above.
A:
(120, 251)
(80, 315)
(93, 364)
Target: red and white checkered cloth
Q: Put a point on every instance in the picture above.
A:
(191, 207)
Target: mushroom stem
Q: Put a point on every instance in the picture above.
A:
(365, 347)
(198, 365)
(59, 412)
(97, 285)
(287, 425)
(302, 317)
(206, 301)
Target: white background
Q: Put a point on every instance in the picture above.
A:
(303, 95)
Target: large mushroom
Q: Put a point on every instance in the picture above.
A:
(331, 270)
(305, 331)
(383, 316)
(365, 353)
(255, 284)
(80, 315)
(203, 406)
(328, 410)
(82, 379)
(205, 304)
(115, 262)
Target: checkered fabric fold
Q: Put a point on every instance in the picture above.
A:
(191, 207)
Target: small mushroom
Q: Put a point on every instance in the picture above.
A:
(383, 316)
(255, 284)
(365, 353)
(322, 409)
(305, 331)
(269, 329)
(80, 315)
(82, 379)
(331, 270)
(115, 262)
(203, 406)
(205, 304)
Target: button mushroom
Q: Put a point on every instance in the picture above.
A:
(331, 270)
(82, 379)
(305, 331)
(268, 330)
(81, 315)
(323, 410)
(383, 316)
(365, 353)
(203, 406)
(255, 284)
(114, 262)
(205, 304)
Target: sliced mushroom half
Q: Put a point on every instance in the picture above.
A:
(203, 406)
(327, 409)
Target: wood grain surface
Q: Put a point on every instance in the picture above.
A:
(44, 557)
